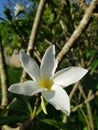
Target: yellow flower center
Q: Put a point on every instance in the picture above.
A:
(45, 83)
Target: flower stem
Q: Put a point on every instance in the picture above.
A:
(36, 105)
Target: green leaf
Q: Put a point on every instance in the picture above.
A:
(17, 107)
(40, 108)
(9, 119)
(7, 12)
(91, 53)
(43, 105)
(57, 124)
(85, 128)
(94, 65)
(51, 17)
(3, 112)
(21, 105)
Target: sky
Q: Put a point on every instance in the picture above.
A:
(27, 5)
(4, 2)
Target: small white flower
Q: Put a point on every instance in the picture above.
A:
(46, 81)
(18, 8)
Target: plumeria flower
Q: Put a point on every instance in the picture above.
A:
(46, 81)
(18, 8)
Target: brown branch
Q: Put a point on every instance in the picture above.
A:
(6, 127)
(79, 30)
(91, 123)
(37, 54)
(3, 74)
(73, 90)
(34, 31)
(85, 118)
(82, 4)
(87, 100)
(78, 85)
(36, 25)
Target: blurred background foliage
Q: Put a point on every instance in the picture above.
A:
(60, 18)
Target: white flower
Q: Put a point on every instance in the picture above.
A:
(18, 8)
(46, 81)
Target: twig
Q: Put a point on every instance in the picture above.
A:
(36, 26)
(36, 53)
(34, 32)
(90, 93)
(82, 4)
(3, 74)
(73, 90)
(87, 100)
(6, 127)
(36, 105)
(91, 124)
(79, 30)
(86, 120)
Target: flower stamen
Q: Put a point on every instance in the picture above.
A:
(45, 83)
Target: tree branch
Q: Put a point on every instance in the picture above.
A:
(82, 4)
(85, 101)
(36, 25)
(91, 123)
(34, 32)
(79, 30)
(3, 74)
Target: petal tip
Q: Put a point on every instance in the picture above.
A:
(52, 47)
(11, 89)
(22, 53)
(84, 71)
(68, 113)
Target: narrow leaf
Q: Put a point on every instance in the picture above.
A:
(43, 105)
(57, 124)
(9, 119)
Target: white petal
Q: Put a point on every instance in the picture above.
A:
(49, 63)
(58, 98)
(69, 76)
(27, 88)
(30, 66)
